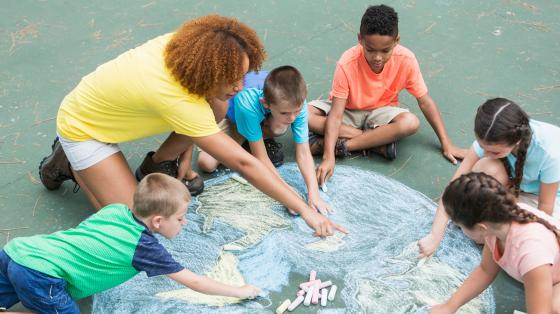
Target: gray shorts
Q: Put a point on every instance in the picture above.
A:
(363, 119)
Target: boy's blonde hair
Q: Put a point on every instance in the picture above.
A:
(159, 194)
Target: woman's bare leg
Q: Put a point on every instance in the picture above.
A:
(109, 181)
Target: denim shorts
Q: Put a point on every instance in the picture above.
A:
(38, 292)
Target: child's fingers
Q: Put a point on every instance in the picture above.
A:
(340, 228)
(318, 173)
(326, 176)
(450, 157)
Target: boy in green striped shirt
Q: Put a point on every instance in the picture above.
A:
(48, 272)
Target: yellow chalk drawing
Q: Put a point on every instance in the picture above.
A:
(243, 207)
(415, 286)
(328, 244)
(226, 271)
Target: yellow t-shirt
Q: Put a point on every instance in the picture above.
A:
(131, 97)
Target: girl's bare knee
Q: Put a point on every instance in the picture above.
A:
(492, 167)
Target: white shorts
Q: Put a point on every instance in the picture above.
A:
(533, 200)
(85, 154)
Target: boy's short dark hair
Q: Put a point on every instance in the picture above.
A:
(159, 194)
(285, 84)
(380, 20)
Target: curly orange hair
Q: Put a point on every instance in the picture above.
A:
(208, 51)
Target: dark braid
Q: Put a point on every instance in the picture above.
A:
(525, 132)
(501, 121)
(476, 197)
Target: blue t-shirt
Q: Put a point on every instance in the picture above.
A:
(248, 113)
(542, 163)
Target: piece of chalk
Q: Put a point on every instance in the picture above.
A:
(239, 179)
(324, 188)
(325, 284)
(309, 283)
(315, 282)
(283, 307)
(332, 293)
(308, 296)
(316, 293)
(312, 275)
(300, 292)
(296, 303)
(323, 297)
(421, 262)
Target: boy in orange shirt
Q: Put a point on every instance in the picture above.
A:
(363, 112)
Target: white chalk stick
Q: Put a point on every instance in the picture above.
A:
(325, 284)
(332, 292)
(323, 297)
(308, 296)
(324, 188)
(239, 179)
(312, 275)
(296, 303)
(283, 307)
(308, 284)
(316, 292)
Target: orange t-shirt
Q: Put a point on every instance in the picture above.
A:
(363, 89)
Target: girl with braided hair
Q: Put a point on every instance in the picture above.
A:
(518, 238)
(521, 153)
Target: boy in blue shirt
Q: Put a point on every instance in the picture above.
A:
(48, 272)
(256, 114)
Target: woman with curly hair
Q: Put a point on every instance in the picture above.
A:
(179, 83)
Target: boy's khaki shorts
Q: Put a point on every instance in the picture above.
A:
(363, 119)
(230, 130)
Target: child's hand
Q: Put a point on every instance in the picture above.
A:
(428, 245)
(325, 171)
(452, 153)
(248, 292)
(322, 225)
(441, 309)
(319, 205)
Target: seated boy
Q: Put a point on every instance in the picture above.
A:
(256, 113)
(48, 272)
(363, 113)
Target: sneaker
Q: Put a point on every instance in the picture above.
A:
(388, 151)
(274, 152)
(195, 185)
(340, 149)
(168, 167)
(317, 145)
(55, 168)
